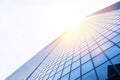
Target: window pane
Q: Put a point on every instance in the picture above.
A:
(102, 71)
(75, 73)
(116, 39)
(57, 75)
(118, 44)
(75, 64)
(89, 76)
(112, 51)
(53, 72)
(112, 35)
(99, 59)
(76, 58)
(95, 52)
(85, 58)
(64, 77)
(68, 63)
(93, 47)
(102, 41)
(106, 45)
(87, 67)
(51, 78)
(60, 68)
(66, 70)
(84, 52)
(116, 60)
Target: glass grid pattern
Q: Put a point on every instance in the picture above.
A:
(86, 58)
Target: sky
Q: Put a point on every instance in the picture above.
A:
(27, 26)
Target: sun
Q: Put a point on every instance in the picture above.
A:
(78, 23)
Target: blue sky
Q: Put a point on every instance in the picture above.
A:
(27, 26)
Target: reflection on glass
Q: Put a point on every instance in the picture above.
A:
(102, 71)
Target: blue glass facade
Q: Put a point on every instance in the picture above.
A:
(93, 54)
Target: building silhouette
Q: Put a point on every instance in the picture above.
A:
(91, 51)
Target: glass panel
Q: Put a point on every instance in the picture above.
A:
(118, 44)
(95, 52)
(118, 30)
(116, 39)
(56, 67)
(85, 58)
(64, 77)
(102, 41)
(87, 67)
(45, 77)
(99, 38)
(84, 52)
(70, 57)
(53, 72)
(57, 75)
(112, 51)
(75, 64)
(112, 35)
(76, 53)
(51, 78)
(76, 58)
(68, 63)
(89, 76)
(62, 62)
(106, 45)
(116, 60)
(77, 79)
(93, 47)
(99, 59)
(75, 73)
(66, 70)
(60, 68)
(102, 71)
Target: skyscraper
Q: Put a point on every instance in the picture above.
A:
(90, 51)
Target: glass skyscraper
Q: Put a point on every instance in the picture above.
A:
(90, 51)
